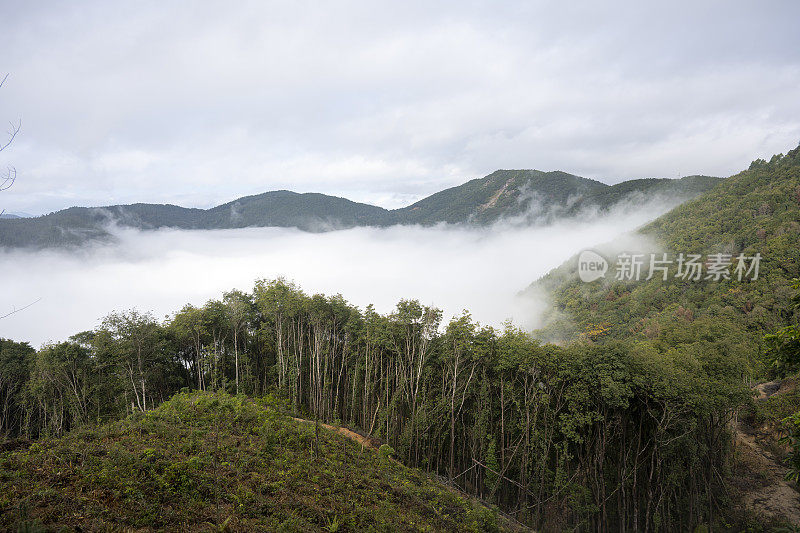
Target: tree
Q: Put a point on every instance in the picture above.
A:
(215, 319)
(134, 341)
(189, 327)
(784, 344)
(239, 312)
(60, 386)
(459, 368)
(14, 374)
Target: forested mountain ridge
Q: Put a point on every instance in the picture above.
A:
(308, 211)
(78, 225)
(755, 211)
(540, 196)
(501, 193)
(536, 196)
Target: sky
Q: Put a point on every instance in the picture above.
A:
(197, 103)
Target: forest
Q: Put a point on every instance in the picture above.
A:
(629, 435)
(626, 425)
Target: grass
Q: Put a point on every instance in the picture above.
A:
(214, 462)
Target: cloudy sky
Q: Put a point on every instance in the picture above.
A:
(197, 103)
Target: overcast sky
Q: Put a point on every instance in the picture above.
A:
(197, 103)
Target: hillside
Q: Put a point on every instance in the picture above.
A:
(529, 196)
(755, 211)
(761, 472)
(676, 190)
(204, 461)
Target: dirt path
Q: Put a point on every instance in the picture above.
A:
(352, 435)
(768, 494)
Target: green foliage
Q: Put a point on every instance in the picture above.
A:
(785, 349)
(755, 211)
(14, 375)
(386, 451)
(496, 412)
(784, 344)
(204, 459)
(58, 393)
(792, 439)
(775, 409)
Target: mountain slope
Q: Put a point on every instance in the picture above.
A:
(676, 190)
(755, 211)
(502, 193)
(533, 195)
(205, 461)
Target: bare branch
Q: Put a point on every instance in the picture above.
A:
(7, 180)
(14, 310)
(14, 127)
(12, 132)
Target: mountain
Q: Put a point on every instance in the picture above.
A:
(530, 196)
(754, 212)
(539, 195)
(203, 461)
(78, 225)
(309, 211)
(5, 215)
(501, 193)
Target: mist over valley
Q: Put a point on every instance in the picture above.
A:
(400, 266)
(453, 267)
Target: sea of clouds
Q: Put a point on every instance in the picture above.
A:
(454, 268)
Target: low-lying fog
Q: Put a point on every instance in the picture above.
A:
(481, 270)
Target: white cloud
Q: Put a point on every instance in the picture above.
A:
(191, 103)
(449, 267)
